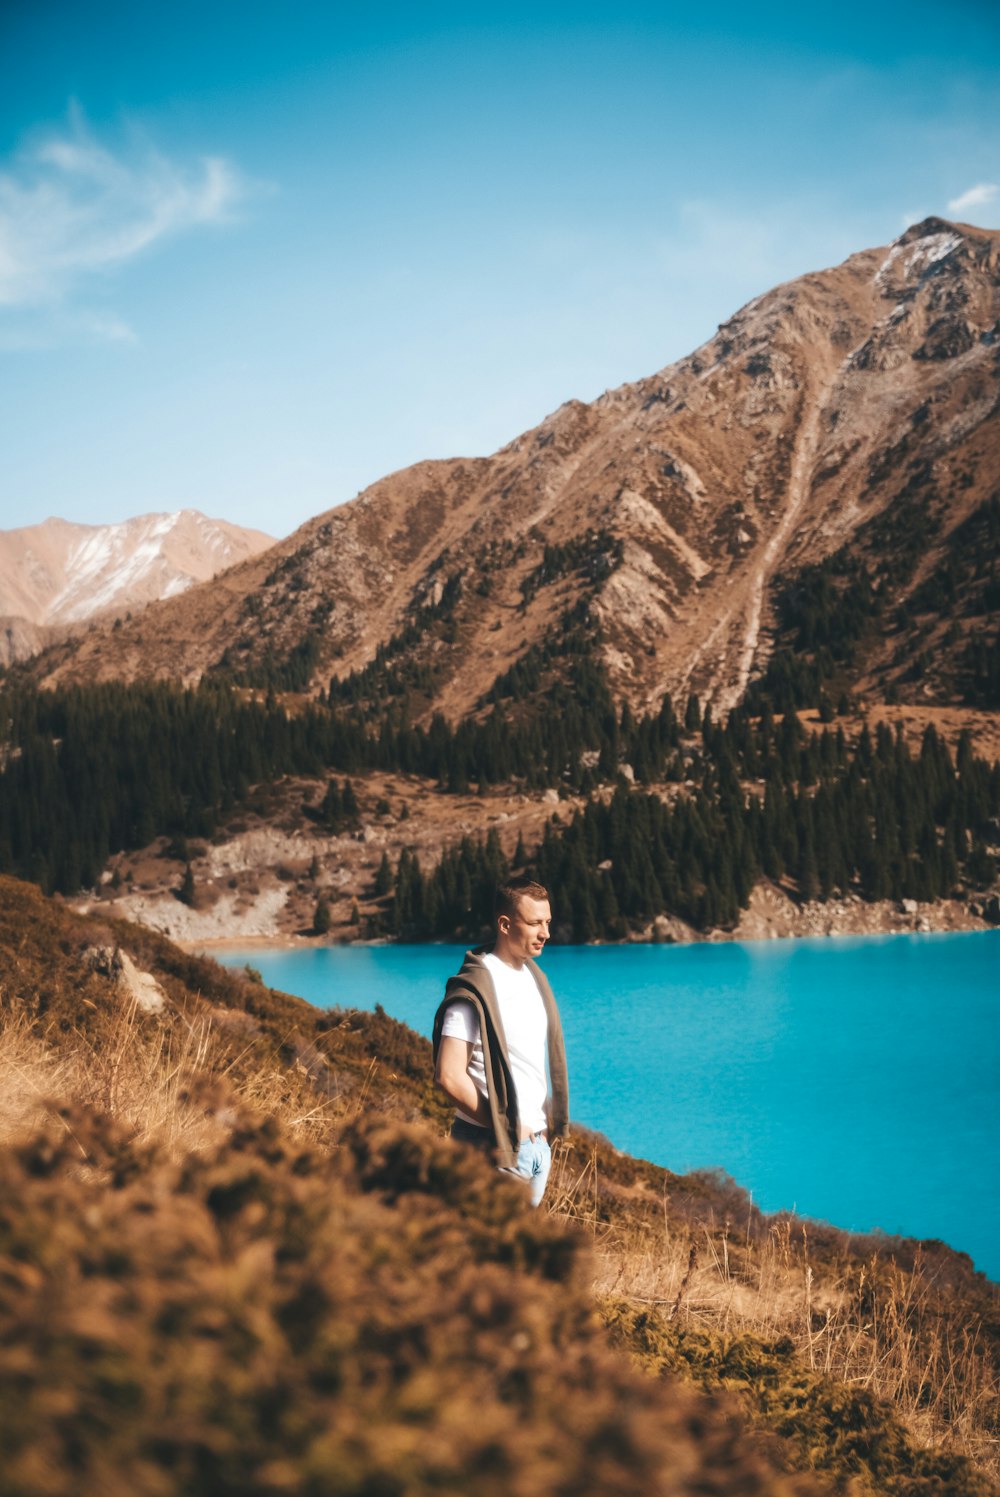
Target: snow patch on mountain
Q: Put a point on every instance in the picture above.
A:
(62, 573)
(923, 254)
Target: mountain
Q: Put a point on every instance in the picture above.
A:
(812, 492)
(62, 574)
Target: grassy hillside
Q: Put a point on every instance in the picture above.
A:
(237, 1255)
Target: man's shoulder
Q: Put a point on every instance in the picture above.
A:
(474, 957)
(469, 978)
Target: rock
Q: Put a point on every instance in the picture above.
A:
(908, 906)
(947, 338)
(550, 798)
(101, 959)
(668, 930)
(141, 987)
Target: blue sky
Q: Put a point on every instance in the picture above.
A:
(255, 256)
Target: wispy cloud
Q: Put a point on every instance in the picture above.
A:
(73, 210)
(975, 197)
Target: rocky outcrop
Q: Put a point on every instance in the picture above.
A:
(133, 986)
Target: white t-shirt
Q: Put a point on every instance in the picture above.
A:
(526, 1027)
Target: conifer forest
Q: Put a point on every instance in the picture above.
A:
(673, 812)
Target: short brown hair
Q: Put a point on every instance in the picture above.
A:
(508, 893)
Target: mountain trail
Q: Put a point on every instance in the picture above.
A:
(728, 683)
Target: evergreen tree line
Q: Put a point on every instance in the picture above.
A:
(967, 579)
(382, 678)
(291, 672)
(594, 555)
(878, 821)
(827, 611)
(456, 898)
(89, 771)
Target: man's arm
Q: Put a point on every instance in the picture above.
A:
(452, 1076)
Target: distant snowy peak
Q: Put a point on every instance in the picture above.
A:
(63, 573)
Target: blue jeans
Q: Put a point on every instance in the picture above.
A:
(534, 1160)
(534, 1157)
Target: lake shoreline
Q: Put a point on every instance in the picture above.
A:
(771, 915)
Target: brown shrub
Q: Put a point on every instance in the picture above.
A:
(260, 1318)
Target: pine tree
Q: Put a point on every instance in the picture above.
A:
(981, 867)
(584, 917)
(332, 806)
(383, 877)
(609, 920)
(807, 872)
(692, 715)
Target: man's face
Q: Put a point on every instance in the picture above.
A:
(528, 928)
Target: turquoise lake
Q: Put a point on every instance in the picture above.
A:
(855, 1080)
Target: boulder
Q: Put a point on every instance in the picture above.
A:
(141, 988)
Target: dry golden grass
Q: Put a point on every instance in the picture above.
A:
(867, 1322)
(178, 1084)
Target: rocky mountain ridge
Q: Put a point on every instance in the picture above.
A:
(845, 420)
(59, 574)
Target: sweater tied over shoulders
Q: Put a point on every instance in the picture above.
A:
(473, 984)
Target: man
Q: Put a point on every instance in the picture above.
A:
(492, 1034)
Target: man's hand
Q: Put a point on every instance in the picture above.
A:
(452, 1076)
